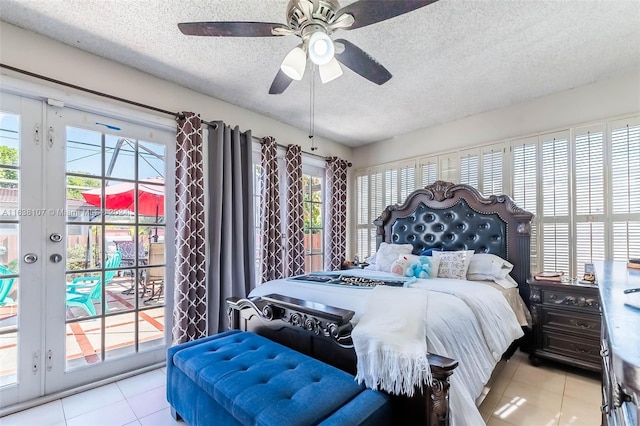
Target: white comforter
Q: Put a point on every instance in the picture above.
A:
(466, 321)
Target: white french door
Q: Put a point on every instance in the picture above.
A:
(89, 276)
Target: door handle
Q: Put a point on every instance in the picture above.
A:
(30, 258)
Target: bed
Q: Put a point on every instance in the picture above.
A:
(318, 319)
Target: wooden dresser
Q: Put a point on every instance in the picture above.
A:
(566, 323)
(620, 344)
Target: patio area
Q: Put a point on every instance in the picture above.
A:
(124, 329)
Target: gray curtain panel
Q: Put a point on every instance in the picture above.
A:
(190, 295)
(230, 231)
(272, 245)
(294, 243)
(335, 217)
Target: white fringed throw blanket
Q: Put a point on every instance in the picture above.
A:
(390, 341)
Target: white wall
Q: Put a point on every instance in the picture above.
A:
(605, 99)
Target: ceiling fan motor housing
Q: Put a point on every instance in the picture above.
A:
(325, 13)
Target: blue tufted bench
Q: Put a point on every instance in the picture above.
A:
(241, 378)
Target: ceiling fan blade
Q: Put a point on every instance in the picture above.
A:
(231, 29)
(368, 12)
(280, 83)
(357, 60)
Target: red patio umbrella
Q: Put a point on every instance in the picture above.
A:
(121, 196)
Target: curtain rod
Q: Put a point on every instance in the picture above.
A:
(304, 152)
(84, 89)
(116, 98)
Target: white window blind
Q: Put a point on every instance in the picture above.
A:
(448, 170)
(625, 169)
(428, 170)
(469, 168)
(492, 169)
(555, 202)
(407, 180)
(625, 188)
(391, 193)
(590, 239)
(525, 186)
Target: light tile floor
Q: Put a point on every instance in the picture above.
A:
(549, 395)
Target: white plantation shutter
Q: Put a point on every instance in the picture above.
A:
(362, 214)
(626, 240)
(555, 202)
(492, 169)
(525, 187)
(625, 169)
(448, 170)
(470, 168)
(625, 188)
(407, 179)
(391, 193)
(589, 198)
(428, 170)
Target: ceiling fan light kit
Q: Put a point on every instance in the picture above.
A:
(330, 71)
(295, 63)
(314, 21)
(321, 48)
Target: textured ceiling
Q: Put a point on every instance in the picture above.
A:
(449, 60)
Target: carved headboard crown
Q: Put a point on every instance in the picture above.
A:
(458, 217)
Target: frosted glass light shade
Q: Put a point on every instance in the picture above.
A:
(330, 71)
(294, 63)
(321, 48)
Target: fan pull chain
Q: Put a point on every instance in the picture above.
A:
(312, 101)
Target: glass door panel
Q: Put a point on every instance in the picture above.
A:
(20, 282)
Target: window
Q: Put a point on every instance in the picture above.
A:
(312, 190)
(580, 184)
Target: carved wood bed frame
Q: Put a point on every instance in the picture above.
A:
(442, 215)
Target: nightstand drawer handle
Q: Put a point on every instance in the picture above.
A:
(583, 324)
(570, 300)
(582, 350)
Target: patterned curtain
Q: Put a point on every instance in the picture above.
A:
(190, 296)
(272, 249)
(294, 245)
(335, 214)
(230, 223)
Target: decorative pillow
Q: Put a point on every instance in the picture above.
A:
(453, 264)
(488, 267)
(388, 253)
(435, 264)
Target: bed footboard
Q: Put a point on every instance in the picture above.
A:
(324, 332)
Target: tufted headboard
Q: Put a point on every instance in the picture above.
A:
(457, 217)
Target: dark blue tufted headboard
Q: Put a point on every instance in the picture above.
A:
(458, 227)
(457, 217)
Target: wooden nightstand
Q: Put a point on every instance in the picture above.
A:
(566, 323)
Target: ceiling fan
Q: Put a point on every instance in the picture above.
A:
(313, 21)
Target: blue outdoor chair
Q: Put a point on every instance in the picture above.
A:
(5, 286)
(84, 291)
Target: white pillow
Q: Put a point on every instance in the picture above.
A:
(453, 264)
(388, 253)
(488, 267)
(506, 282)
